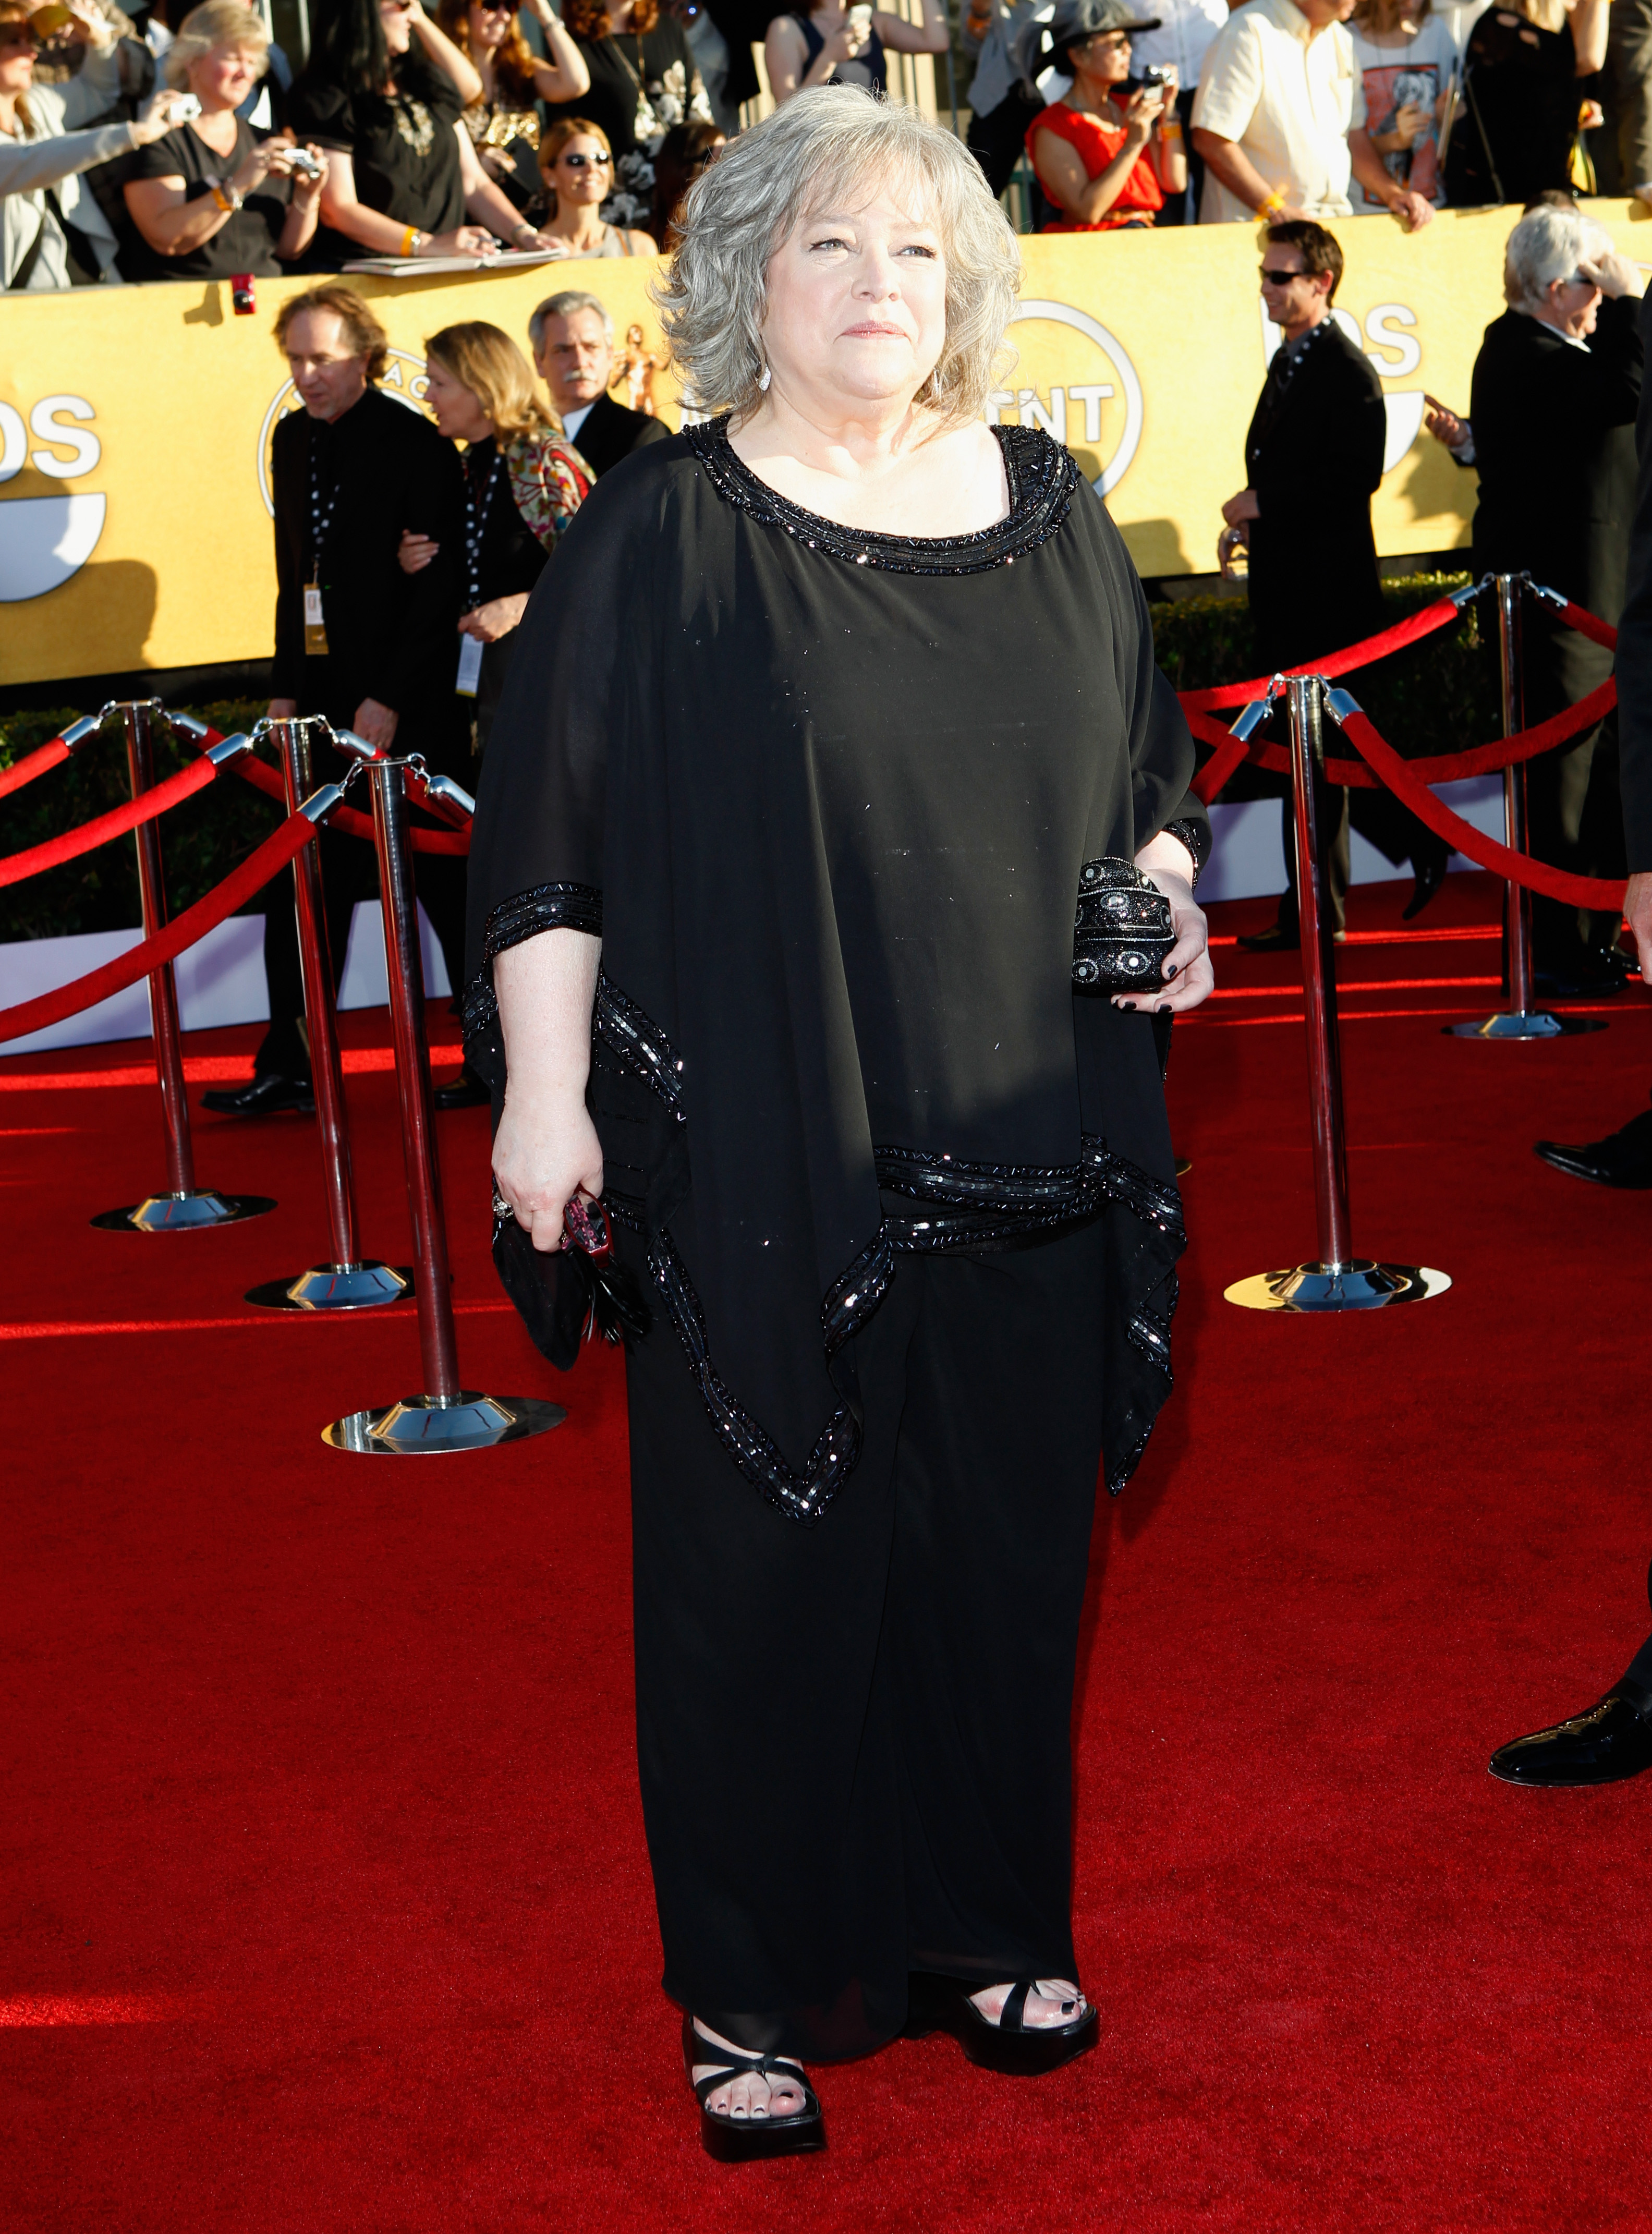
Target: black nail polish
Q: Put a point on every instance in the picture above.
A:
(1171, 969)
(1164, 1007)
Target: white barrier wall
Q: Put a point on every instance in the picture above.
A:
(220, 981)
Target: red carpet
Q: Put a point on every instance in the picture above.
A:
(323, 1902)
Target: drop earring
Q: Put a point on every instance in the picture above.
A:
(764, 377)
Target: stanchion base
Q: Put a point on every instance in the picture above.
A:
(420, 1426)
(1359, 1285)
(1523, 1024)
(183, 1213)
(337, 1288)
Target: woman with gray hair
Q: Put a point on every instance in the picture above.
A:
(773, 952)
(1550, 430)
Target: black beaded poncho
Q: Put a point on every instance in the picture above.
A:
(828, 798)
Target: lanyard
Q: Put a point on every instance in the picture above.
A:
(321, 517)
(475, 524)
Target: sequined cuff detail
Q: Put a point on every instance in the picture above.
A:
(1196, 839)
(546, 907)
(639, 1042)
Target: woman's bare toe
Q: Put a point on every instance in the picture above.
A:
(1053, 2001)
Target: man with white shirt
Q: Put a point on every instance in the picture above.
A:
(1278, 95)
(1185, 31)
(572, 338)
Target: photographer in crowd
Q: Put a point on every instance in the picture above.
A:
(1106, 157)
(51, 233)
(572, 335)
(1550, 432)
(356, 640)
(384, 95)
(212, 198)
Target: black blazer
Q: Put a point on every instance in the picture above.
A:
(610, 433)
(1634, 648)
(390, 636)
(1554, 447)
(1314, 454)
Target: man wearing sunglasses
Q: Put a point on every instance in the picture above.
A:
(1313, 457)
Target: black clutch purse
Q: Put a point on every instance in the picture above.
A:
(567, 1296)
(1122, 933)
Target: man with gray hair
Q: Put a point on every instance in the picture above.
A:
(572, 338)
(1552, 431)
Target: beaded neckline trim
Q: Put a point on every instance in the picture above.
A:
(1041, 476)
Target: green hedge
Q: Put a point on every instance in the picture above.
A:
(1436, 697)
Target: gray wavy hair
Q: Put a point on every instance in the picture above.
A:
(833, 144)
(1549, 245)
(215, 23)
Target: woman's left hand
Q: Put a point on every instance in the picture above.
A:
(414, 552)
(496, 618)
(1188, 977)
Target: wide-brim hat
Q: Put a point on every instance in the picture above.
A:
(1073, 21)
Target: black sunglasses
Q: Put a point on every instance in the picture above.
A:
(1283, 279)
(586, 162)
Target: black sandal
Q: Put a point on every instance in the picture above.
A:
(1010, 2045)
(741, 2140)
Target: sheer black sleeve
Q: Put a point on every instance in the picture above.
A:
(581, 677)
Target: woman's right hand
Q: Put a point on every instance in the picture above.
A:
(463, 240)
(156, 122)
(848, 41)
(546, 1152)
(1142, 112)
(1409, 122)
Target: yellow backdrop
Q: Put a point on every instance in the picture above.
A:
(135, 422)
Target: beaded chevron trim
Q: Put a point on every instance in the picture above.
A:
(1042, 476)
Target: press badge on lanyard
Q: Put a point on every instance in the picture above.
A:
(470, 648)
(314, 626)
(321, 519)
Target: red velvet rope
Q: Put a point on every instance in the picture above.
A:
(1335, 662)
(102, 828)
(342, 818)
(1401, 779)
(1587, 624)
(194, 923)
(1445, 767)
(33, 764)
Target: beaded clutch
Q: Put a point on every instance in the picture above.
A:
(1122, 933)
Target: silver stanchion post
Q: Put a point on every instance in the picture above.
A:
(444, 1416)
(184, 1207)
(350, 1282)
(1522, 1020)
(1337, 1280)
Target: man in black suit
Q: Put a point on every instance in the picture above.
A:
(1551, 434)
(373, 649)
(1613, 1739)
(1313, 457)
(572, 335)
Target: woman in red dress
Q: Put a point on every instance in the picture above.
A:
(1104, 160)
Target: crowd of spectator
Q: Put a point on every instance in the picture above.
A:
(181, 143)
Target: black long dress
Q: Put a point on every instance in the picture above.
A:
(904, 1199)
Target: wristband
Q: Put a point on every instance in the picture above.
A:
(410, 240)
(225, 196)
(1170, 129)
(1270, 206)
(517, 231)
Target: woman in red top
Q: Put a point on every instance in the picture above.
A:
(1099, 158)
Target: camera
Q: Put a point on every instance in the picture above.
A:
(185, 107)
(1155, 75)
(303, 165)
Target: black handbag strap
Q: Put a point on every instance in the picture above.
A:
(79, 253)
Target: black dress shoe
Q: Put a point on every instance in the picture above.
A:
(1582, 974)
(1612, 1741)
(1621, 1159)
(270, 1093)
(465, 1092)
(1430, 874)
(1278, 940)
